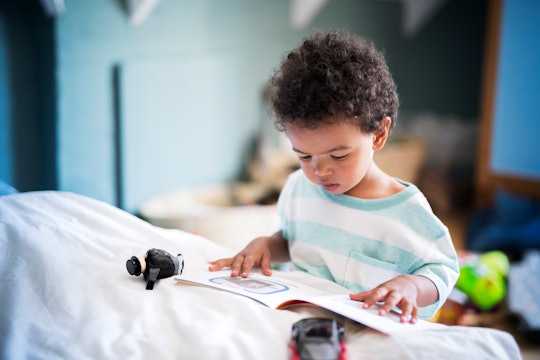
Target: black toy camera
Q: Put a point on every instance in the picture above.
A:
(155, 264)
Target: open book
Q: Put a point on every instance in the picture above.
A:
(280, 291)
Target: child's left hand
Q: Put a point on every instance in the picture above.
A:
(401, 291)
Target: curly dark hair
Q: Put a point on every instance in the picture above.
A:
(332, 74)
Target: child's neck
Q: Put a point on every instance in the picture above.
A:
(376, 185)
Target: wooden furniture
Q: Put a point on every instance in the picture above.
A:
(489, 180)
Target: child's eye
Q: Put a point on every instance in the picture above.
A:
(305, 158)
(335, 157)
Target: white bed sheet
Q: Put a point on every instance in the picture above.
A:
(65, 294)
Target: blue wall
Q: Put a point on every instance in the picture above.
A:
(187, 99)
(516, 124)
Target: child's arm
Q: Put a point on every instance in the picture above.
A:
(407, 292)
(259, 252)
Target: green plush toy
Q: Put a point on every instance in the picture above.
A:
(483, 279)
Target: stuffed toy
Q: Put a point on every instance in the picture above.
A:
(483, 278)
(155, 264)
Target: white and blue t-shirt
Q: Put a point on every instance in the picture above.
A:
(360, 243)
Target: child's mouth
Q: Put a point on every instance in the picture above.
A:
(329, 187)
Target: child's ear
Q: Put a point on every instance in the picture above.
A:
(382, 135)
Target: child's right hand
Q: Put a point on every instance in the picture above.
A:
(256, 253)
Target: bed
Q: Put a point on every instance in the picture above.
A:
(66, 294)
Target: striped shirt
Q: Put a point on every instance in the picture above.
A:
(361, 243)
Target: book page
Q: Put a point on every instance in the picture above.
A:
(284, 292)
(343, 305)
(271, 291)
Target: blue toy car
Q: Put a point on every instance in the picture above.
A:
(317, 339)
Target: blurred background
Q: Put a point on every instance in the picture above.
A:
(148, 104)
(121, 100)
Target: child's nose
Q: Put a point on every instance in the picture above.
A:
(321, 168)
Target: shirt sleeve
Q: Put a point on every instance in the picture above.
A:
(442, 269)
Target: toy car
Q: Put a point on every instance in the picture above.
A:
(317, 338)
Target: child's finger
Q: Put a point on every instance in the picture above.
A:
(406, 312)
(369, 297)
(391, 300)
(237, 265)
(219, 264)
(247, 265)
(266, 265)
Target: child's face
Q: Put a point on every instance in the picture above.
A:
(337, 157)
